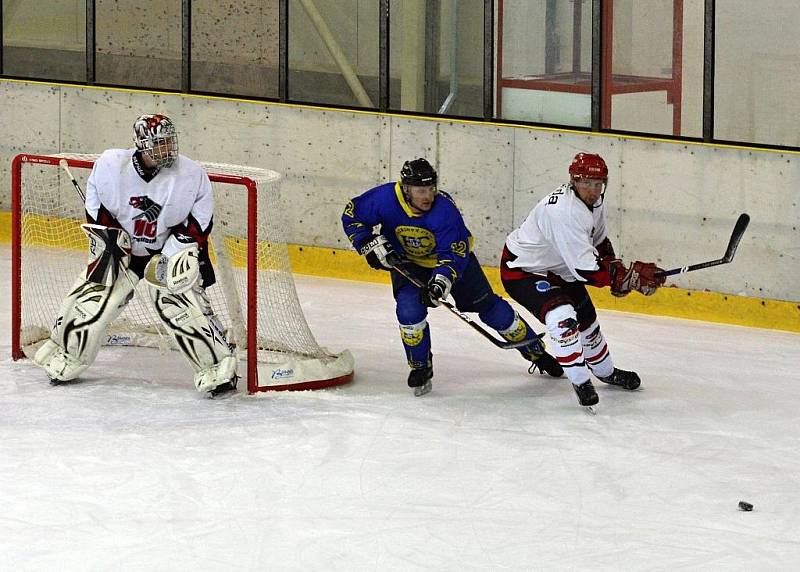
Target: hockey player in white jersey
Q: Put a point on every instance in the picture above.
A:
(150, 213)
(547, 262)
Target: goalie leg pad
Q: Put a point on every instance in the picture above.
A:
(198, 334)
(81, 324)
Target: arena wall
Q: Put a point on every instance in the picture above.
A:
(671, 202)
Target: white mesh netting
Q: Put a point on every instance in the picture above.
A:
(53, 253)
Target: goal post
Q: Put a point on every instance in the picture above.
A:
(255, 295)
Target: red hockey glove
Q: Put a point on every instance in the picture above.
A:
(640, 276)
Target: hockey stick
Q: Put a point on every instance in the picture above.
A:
(64, 165)
(450, 306)
(163, 344)
(733, 243)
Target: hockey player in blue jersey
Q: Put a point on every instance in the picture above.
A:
(422, 229)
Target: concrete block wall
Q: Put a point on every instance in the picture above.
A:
(673, 203)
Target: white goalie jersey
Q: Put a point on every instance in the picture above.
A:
(179, 196)
(560, 235)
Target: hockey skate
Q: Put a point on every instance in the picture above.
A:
(625, 379)
(224, 390)
(545, 363)
(587, 396)
(420, 380)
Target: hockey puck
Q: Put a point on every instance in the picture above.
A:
(745, 506)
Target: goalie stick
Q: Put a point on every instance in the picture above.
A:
(733, 243)
(450, 306)
(64, 165)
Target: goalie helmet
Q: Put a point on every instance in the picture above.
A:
(588, 166)
(418, 173)
(155, 135)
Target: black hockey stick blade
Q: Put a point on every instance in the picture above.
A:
(456, 312)
(736, 236)
(733, 244)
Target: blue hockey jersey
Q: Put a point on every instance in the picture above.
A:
(436, 239)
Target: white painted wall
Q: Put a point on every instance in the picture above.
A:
(669, 202)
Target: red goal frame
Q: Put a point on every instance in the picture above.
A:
(251, 274)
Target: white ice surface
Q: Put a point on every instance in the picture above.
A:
(131, 469)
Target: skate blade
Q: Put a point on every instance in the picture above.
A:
(224, 391)
(222, 395)
(423, 389)
(590, 409)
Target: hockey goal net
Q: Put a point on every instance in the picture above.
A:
(255, 295)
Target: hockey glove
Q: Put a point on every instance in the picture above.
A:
(177, 268)
(109, 253)
(438, 289)
(640, 276)
(379, 253)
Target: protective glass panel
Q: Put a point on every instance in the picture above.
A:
(235, 47)
(47, 43)
(333, 52)
(544, 61)
(436, 56)
(756, 92)
(657, 80)
(138, 43)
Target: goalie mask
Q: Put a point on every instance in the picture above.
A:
(156, 137)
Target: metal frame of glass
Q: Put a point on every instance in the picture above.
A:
(598, 91)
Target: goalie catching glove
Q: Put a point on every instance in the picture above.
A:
(639, 276)
(177, 268)
(437, 289)
(379, 253)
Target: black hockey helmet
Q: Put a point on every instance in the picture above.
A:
(418, 173)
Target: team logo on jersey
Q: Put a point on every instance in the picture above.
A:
(542, 285)
(144, 223)
(417, 242)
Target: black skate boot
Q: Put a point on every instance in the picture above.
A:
(224, 390)
(545, 363)
(625, 379)
(420, 380)
(587, 396)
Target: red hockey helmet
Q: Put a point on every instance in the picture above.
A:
(588, 166)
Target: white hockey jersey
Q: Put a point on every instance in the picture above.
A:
(179, 195)
(560, 235)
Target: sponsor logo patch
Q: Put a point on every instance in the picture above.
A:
(542, 286)
(282, 373)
